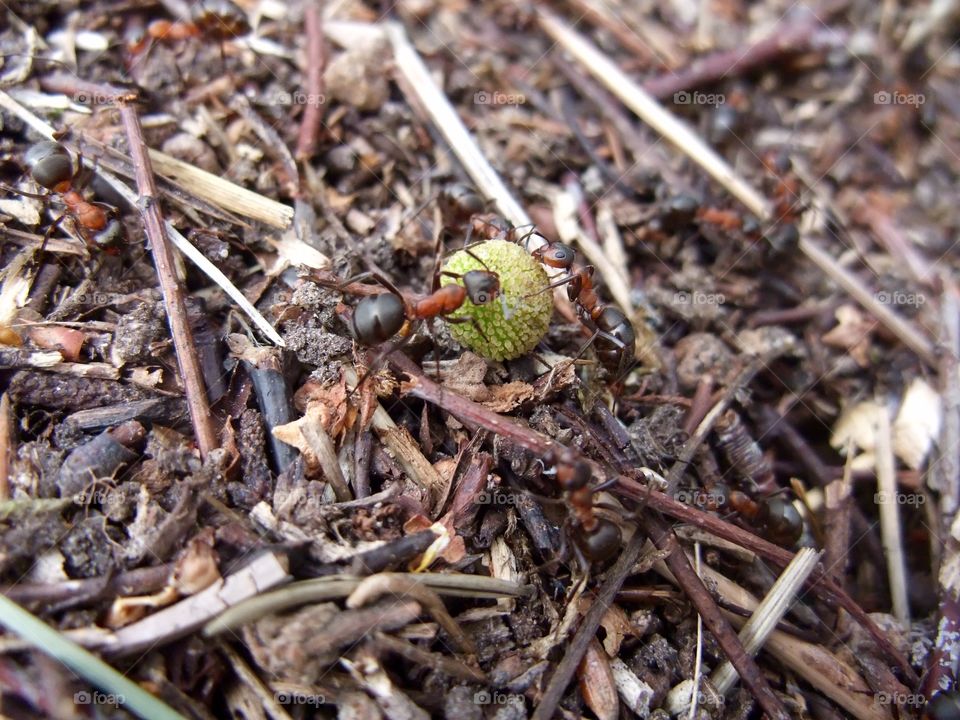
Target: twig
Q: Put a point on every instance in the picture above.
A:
(828, 673)
(716, 623)
(7, 440)
(769, 612)
(588, 629)
(316, 60)
(173, 296)
(821, 583)
(890, 517)
(402, 586)
(792, 36)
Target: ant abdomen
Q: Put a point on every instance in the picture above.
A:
(50, 164)
(459, 202)
(377, 318)
(616, 347)
(601, 543)
(781, 522)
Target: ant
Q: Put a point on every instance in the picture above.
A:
(613, 333)
(377, 318)
(218, 20)
(775, 518)
(51, 167)
(595, 538)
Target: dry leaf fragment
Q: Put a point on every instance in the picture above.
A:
(596, 683)
(917, 424)
(852, 333)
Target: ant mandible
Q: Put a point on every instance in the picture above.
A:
(51, 167)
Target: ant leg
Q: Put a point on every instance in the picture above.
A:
(49, 233)
(551, 286)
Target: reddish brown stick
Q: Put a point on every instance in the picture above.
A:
(788, 38)
(316, 59)
(173, 297)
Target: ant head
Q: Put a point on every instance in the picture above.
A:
(377, 318)
(601, 543)
(50, 164)
(482, 286)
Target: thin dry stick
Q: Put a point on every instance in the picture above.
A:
(715, 621)
(402, 586)
(316, 60)
(432, 98)
(6, 446)
(769, 612)
(890, 531)
(588, 629)
(793, 35)
(173, 297)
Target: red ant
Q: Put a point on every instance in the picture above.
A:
(775, 518)
(216, 19)
(613, 333)
(51, 167)
(377, 318)
(596, 539)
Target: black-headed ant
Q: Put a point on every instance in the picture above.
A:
(613, 334)
(773, 517)
(377, 318)
(51, 167)
(595, 537)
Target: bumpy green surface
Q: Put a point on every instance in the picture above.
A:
(527, 318)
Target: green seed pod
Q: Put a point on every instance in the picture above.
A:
(514, 323)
